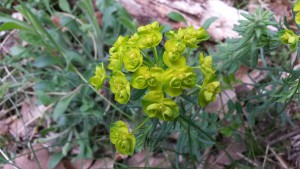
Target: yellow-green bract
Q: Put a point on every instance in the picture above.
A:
(122, 138)
(98, 79)
(206, 65)
(290, 38)
(208, 92)
(177, 79)
(144, 77)
(155, 105)
(120, 86)
(171, 77)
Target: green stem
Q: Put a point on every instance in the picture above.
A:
(155, 54)
(145, 54)
(104, 98)
(198, 86)
(196, 67)
(141, 125)
(188, 54)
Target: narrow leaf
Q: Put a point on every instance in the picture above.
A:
(64, 5)
(208, 22)
(177, 17)
(12, 23)
(62, 106)
(55, 159)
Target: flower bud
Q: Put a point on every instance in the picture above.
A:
(208, 93)
(122, 138)
(206, 65)
(99, 78)
(173, 59)
(132, 59)
(155, 105)
(120, 86)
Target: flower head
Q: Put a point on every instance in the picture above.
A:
(132, 59)
(289, 37)
(149, 35)
(155, 105)
(174, 60)
(118, 45)
(206, 65)
(154, 26)
(297, 6)
(98, 79)
(297, 18)
(208, 93)
(178, 79)
(120, 86)
(122, 138)
(145, 77)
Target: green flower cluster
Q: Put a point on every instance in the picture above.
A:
(296, 9)
(210, 86)
(290, 38)
(287, 36)
(122, 138)
(131, 65)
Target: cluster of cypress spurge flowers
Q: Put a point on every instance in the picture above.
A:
(164, 81)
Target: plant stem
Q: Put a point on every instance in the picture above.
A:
(198, 86)
(155, 54)
(141, 125)
(145, 54)
(188, 54)
(104, 98)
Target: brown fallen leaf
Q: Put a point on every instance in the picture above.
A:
(232, 149)
(146, 159)
(25, 125)
(281, 8)
(3, 127)
(221, 103)
(103, 163)
(28, 161)
(78, 164)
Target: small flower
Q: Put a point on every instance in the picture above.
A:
(145, 77)
(118, 45)
(122, 138)
(190, 36)
(208, 92)
(99, 78)
(194, 36)
(174, 60)
(297, 6)
(150, 27)
(148, 36)
(174, 46)
(297, 18)
(178, 79)
(132, 59)
(206, 65)
(149, 39)
(289, 37)
(120, 86)
(155, 105)
(115, 62)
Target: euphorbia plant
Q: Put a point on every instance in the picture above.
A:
(133, 67)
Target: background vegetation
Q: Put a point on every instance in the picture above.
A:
(51, 117)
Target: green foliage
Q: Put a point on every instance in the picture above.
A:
(55, 159)
(255, 34)
(57, 44)
(177, 17)
(153, 87)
